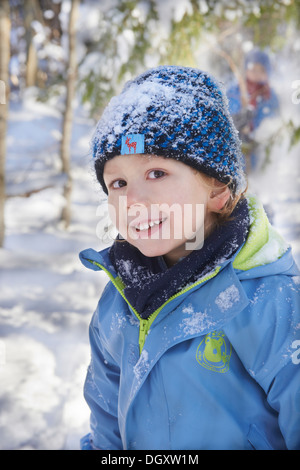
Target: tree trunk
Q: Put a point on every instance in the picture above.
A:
(238, 75)
(4, 76)
(32, 11)
(67, 117)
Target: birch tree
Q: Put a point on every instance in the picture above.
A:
(4, 90)
(68, 112)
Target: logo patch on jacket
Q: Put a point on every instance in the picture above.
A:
(214, 352)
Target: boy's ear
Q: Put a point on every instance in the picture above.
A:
(218, 197)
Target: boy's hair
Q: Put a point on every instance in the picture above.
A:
(173, 112)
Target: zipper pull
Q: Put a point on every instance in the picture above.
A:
(143, 333)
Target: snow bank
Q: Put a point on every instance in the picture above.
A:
(46, 296)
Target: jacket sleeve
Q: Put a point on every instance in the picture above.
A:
(101, 393)
(234, 99)
(266, 336)
(284, 397)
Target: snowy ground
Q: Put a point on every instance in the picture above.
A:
(47, 297)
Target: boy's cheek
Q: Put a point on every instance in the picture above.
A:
(114, 214)
(117, 211)
(189, 223)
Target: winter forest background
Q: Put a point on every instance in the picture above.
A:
(60, 62)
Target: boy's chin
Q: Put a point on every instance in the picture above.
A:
(152, 250)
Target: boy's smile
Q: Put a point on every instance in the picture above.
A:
(147, 228)
(157, 204)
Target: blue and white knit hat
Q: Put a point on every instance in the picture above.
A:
(174, 112)
(256, 56)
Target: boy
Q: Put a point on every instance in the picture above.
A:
(194, 345)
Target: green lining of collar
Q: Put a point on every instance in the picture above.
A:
(263, 245)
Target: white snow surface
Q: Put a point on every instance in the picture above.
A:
(46, 296)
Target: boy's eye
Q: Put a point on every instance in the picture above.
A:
(118, 184)
(155, 174)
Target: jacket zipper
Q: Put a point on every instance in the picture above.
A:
(145, 324)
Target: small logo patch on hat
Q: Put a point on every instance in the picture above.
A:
(132, 143)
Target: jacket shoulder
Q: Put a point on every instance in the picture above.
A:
(263, 334)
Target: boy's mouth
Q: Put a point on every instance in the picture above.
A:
(143, 226)
(146, 228)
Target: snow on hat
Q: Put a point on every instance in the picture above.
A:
(175, 112)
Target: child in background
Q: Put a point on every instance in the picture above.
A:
(250, 111)
(194, 345)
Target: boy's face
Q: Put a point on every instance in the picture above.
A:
(157, 204)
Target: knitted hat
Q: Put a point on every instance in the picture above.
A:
(175, 112)
(256, 56)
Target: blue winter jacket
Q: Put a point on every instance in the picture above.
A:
(217, 366)
(265, 108)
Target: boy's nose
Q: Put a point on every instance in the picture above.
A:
(136, 194)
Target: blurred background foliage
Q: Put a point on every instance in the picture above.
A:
(82, 51)
(117, 39)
